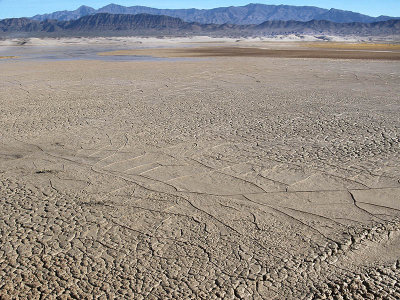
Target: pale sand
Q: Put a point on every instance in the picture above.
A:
(231, 177)
(161, 41)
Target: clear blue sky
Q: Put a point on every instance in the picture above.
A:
(26, 8)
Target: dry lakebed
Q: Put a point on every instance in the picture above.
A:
(247, 170)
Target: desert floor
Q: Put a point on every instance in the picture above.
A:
(228, 176)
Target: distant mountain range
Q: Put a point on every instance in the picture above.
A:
(239, 15)
(104, 24)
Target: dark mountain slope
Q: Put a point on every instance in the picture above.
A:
(145, 24)
(248, 14)
(123, 22)
(390, 27)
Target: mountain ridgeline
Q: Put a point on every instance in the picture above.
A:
(239, 15)
(116, 22)
(104, 24)
(95, 24)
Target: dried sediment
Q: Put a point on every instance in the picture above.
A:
(223, 178)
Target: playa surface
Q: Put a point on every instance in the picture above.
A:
(281, 50)
(217, 177)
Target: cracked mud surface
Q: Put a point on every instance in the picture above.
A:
(230, 178)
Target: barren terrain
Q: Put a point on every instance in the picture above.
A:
(223, 177)
(235, 51)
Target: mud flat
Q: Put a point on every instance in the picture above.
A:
(303, 50)
(354, 46)
(7, 57)
(228, 177)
